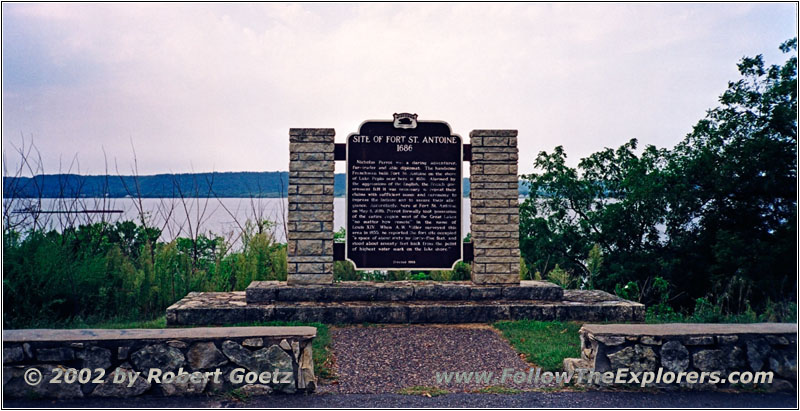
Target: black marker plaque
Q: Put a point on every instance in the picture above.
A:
(404, 195)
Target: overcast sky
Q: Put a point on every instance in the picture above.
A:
(202, 87)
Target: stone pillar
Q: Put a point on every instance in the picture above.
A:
(310, 242)
(494, 202)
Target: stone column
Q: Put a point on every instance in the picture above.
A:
(310, 242)
(494, 207)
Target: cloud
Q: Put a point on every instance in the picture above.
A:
(216, 86)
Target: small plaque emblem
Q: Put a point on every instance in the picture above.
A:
(405, 120)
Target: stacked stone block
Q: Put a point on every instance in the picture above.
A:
(310, 225)
(495, 207)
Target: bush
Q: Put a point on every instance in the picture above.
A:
(120, 271)
(345, 271)
(629, 291)
(561, 277)
(524, 272)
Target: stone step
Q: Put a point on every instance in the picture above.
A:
(276, 291)
(232, 308)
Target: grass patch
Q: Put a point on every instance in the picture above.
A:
(94, 322)
(159, 322)
(497, 389)
(423, 391)
(543, 343)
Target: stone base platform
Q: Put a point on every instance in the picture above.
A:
(278, 291)
(233, 307)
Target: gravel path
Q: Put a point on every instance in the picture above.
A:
(385, 359)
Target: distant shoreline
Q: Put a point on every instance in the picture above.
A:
(192, 197)
(266, 184)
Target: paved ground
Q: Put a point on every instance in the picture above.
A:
(592, 399)
(385, 359)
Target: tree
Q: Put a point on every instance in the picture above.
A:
(613, 199)
(733, 202)
(716, 215)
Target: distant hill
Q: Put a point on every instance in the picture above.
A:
(231, 184)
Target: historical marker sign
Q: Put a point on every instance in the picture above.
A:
(404, 195)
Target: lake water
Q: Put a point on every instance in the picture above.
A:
(181, 217)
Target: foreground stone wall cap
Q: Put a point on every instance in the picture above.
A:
(202, 333)
(689, 329)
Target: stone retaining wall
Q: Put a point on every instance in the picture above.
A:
(760, 347)
(192, 353)
(266, 292)
(232, 307)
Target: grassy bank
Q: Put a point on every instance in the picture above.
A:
(543, 343)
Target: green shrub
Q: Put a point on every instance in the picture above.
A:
(345, 271)
(460, 272)
(420, 275)
(398, 275)
(441, 275)
(120, 271)
(524, 272)
(629, 291)
(561, 277)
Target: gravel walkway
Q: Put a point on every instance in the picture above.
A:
(385, 359)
